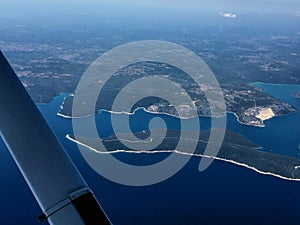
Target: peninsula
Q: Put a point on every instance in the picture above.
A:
(249, 103)
(235, 149)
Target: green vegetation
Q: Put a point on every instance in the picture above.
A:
(235, 149)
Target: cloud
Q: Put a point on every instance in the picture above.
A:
(228, 15)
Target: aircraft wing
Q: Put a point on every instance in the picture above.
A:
(60, 190)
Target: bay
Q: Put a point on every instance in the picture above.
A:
(223, 194)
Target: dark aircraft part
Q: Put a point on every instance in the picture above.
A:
(54, 180)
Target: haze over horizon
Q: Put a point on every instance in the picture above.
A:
(15, 9)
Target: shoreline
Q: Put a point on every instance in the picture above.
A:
(160, 113)
(128, 113)
(184, 153)
(257, 84)
(167, 114)
(250, 125)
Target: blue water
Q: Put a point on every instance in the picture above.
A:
(281, 134)
(223, 194)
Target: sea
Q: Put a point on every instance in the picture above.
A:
(225, 193)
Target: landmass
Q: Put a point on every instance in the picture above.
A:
(296, 94)
(48, 65)
(235, 149)
(249, 103)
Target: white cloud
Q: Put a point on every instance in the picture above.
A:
(228, 15)
(297, 13)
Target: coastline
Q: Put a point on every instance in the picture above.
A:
(126, 113)
(160, 113)
(184, 153)
(167, 114)
(250, 125)
(257, 84)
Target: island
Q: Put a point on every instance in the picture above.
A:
(235, 149)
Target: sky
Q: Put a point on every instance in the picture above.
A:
(30, 8)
